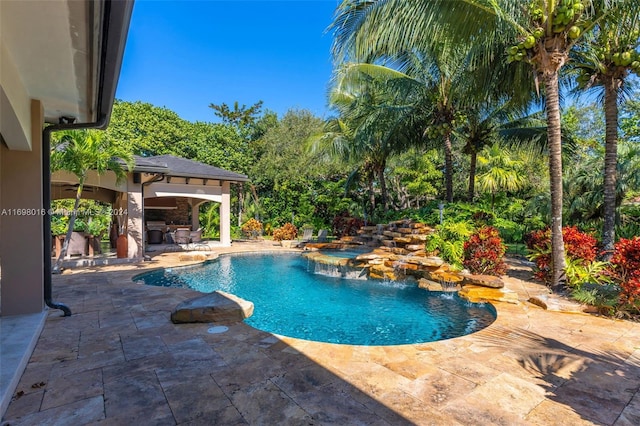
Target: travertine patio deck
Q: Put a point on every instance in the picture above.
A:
(119, 360)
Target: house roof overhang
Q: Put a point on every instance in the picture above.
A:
(65, 53)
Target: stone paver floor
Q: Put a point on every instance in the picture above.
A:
(119, 360)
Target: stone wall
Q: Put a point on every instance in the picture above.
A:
(398, 254)
(179, 216)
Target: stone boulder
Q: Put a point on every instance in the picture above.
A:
(483, 280)
(475, 293)
(193, 257)
(430, 261)
(219, 307)
(552, 302)
(368, 256)
(430, 285)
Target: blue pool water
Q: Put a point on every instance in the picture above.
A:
(346, 254)
(290, 301)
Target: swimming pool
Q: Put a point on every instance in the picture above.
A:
(345, 253)
(290, 301)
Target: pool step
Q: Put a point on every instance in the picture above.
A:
(217, 307)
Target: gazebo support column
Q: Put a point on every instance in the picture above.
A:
(135, 220)
(195, 214)
(225, 214)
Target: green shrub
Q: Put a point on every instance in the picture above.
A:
(236, 233)
(98, 225)
(603, 296)
(628, 230)
(511, 232)
(59, 224)
(448, 241)
(580, 273)
(79, 225)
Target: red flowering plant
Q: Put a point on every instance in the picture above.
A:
(580, 249)
(626, 270)
(344, 225)
(484, 252)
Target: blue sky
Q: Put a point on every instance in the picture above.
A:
(185, 55)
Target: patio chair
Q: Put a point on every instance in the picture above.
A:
(197, 241)
(322, 236)
(182, 236)
(307, 235)
(196, 236)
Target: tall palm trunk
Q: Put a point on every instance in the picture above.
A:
(256, 199)
(611, 85)
(383, 186)
(372, 196)
(448, 165)
(240, 203)
(554, 137)
(472, 174)
(67, 237)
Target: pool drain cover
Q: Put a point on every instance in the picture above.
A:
(217, 329)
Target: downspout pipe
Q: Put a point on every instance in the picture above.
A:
(115, 23)
(46, 203)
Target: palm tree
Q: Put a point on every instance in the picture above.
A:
(584, 185)
(606, 60)
(503, 171)
(430, 96)
(78, 152)
(492, 120)
(545, 33)
(370, 128)
(442, 92)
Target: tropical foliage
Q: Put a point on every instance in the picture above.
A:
(626, 261)
(252, 229)
(288, 231)
(484, 252)
(580, 247)
(448, 242)
(81, 152)
(432, 105)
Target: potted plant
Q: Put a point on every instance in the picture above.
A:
(122, 241)
(59, 225)
(286, 234)
(95, 229)
(122, 244)
(77, 243)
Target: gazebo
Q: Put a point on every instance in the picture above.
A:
(164, 190)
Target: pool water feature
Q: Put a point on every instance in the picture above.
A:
(335, 263)
(344, 253)
(293, 302)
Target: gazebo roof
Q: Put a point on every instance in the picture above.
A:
(182, 167)
(146, 165)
